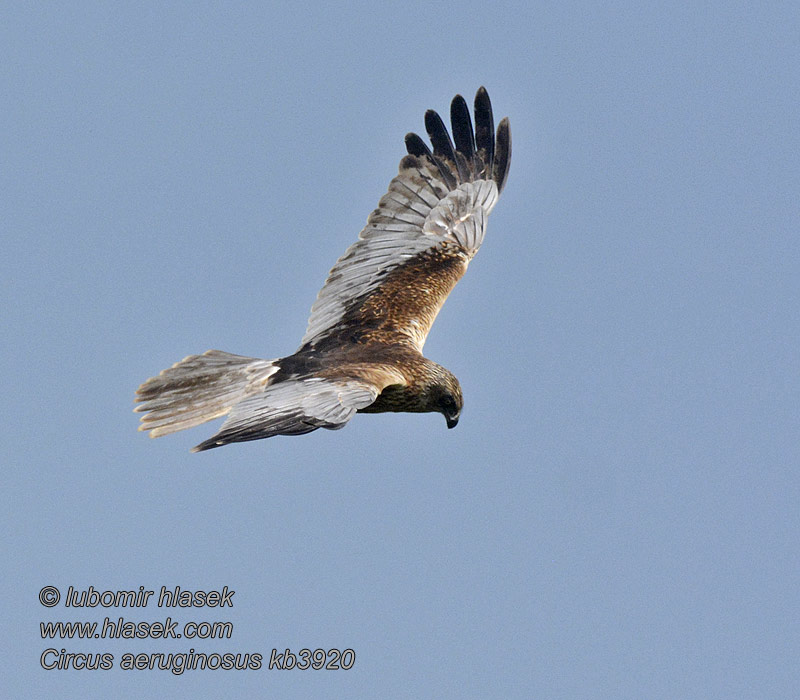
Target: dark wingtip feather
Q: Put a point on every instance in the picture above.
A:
(443, 153)
(437, 131)
(484, 129)
(502, 160)
(463, 135)
(416, 146)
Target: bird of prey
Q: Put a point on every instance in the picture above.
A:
(362, 351)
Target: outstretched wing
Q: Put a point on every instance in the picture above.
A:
(390, 285)
(293, 408)
(298, 405)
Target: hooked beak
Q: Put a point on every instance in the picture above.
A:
(452, 421)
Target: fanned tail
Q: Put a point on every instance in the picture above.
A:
(199, 388)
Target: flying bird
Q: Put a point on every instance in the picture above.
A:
(362, 350)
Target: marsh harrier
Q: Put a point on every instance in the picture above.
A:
(362, 351)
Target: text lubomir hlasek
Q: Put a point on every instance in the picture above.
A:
(167, 598)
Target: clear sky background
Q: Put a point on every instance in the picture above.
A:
(616, 515)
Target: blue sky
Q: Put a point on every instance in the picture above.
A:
(616, 514)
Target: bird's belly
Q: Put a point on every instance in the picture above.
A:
(397, 398)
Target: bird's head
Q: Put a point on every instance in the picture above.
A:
(445, 397)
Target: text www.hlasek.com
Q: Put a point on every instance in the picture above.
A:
(123, 629)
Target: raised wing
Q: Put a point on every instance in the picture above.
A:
(390, 285)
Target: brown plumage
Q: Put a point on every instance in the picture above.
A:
(362, 351)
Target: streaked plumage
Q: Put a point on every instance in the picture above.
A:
(362, 350)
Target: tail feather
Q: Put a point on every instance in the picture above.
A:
(198, 389)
